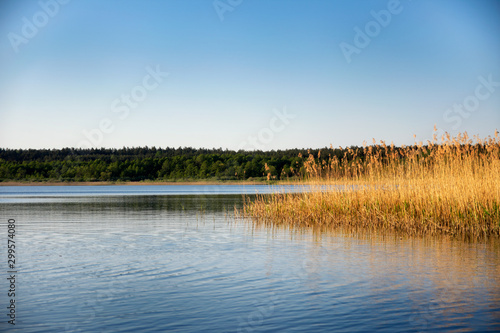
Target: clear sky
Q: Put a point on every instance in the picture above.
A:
(251, 74)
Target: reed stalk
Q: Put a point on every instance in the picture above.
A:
(448, 187)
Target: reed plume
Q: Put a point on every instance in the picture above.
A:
(449, 187)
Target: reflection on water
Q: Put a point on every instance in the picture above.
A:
(55, 193)
(153, 263)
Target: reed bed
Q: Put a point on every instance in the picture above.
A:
(448, 187)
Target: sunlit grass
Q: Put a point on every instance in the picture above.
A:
(451, 187)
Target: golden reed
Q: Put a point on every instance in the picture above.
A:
(451, 187)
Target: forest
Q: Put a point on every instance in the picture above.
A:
(152, 164)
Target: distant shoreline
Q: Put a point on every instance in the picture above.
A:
(103, 183)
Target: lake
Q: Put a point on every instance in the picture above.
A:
(174, 258)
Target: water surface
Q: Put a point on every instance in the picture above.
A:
(155, 260)
(40, 191)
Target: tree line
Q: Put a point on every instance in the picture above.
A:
(151, 163)
(183, 164)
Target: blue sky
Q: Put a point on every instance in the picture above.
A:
(250, 74)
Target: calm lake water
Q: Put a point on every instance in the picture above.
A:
(174, 258)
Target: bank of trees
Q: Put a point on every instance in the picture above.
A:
(155, 164)
(185, 164)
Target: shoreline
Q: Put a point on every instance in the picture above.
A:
(103, 183)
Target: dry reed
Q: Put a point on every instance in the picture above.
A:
(451, 187)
